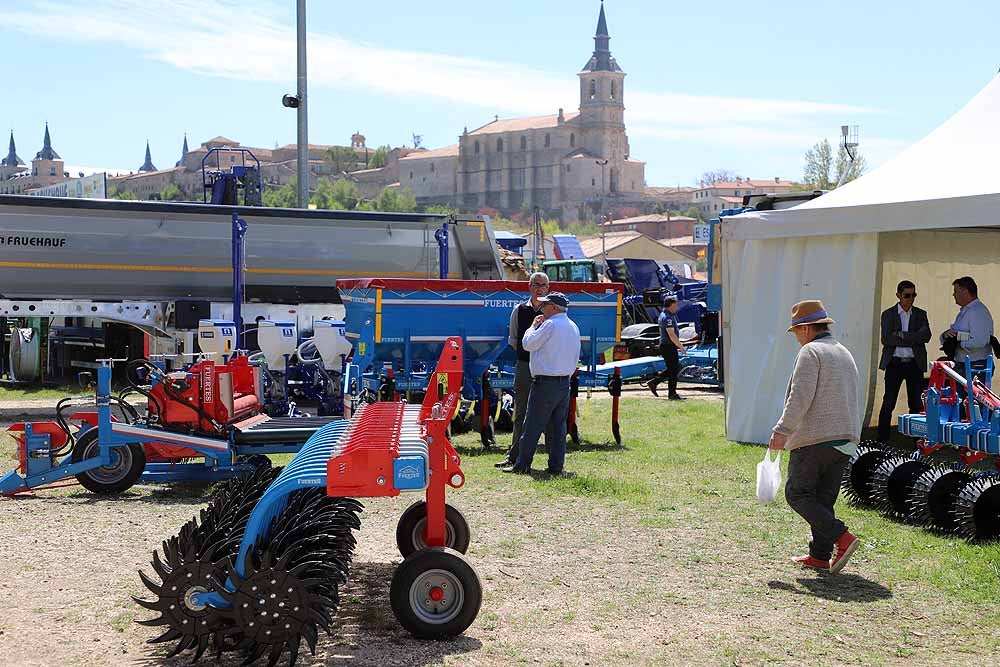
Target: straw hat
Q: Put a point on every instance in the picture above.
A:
(809, 312)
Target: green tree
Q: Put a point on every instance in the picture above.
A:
(124, 194)
(692, 212)
(398, 200)
(281, 197)
(340, 194)
(379, 157)
(172, 193)
(441, 209)
(343, 159)
(823, 171)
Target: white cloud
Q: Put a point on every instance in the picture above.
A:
(254, 41)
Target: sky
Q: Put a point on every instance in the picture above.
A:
(746, 87)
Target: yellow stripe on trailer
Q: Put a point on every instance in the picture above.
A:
(618, 321)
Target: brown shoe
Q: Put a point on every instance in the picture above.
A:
(651, 386)
(847, 544)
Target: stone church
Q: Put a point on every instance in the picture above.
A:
(562, 162)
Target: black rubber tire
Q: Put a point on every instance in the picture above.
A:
(113, 481)
(410, 529)
(427, 568)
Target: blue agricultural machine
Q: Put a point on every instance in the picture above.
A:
(398, 326)
(259, 571)
(941, 484)
(647, 283)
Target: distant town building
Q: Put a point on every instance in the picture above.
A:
(657, 226)
(47, 168)
(562, 162)
(633, 245)
(277, 167)
(710, 198)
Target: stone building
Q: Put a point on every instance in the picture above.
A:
(657, 226)
(47, 168)
(562, 162)
(278, 166)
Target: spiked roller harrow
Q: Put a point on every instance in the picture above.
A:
(259, 571)
(858, 474)
(963, 414)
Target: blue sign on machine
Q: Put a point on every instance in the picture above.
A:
(409, 473)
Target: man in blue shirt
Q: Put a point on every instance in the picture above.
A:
(670, 349)
(973, 327)
(554, 343)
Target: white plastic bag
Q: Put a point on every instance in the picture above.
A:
(768, 477)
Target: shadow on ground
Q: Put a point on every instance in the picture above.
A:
(836, 587)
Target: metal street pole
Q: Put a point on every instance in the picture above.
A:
(303, 147)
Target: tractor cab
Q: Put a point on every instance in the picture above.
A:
(571, 270)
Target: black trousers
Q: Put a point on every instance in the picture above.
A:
(814, 475)
(669, 352)
(897, 372)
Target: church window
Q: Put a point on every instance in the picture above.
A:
(524, 143)
(593, 89)
(411, 175)
(613, 91)
(593, 182)
(499, 145)
(477, 148)
(572, 140)
(568, 168)
(548, 141)
(432, 167)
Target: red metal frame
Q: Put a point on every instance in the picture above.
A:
(364, 466)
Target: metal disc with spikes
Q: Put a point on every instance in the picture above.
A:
(858, 472)
(192, 625)
(891, 485)
(977, 509)
(290, 584)
(194, 561)
(932, 500)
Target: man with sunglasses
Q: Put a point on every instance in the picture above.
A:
(905, 333)
(521, 319)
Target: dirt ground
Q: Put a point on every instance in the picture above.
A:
(567, 581)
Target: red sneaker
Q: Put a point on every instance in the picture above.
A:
(847, 544)
(809, 561)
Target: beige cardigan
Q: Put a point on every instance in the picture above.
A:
(821, 403)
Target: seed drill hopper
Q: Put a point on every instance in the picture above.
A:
(398, 326)
(961, 414)
(259, 570)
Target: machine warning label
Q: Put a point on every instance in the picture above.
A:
(34, 241)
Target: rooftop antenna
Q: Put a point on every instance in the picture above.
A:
(849, 142)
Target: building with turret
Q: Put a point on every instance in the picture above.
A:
(571, 163)
(47, 168)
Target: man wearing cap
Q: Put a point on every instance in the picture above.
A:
(670, 349)
(521, 319)
(554, 343)
(820, 426)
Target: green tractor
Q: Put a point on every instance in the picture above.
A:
(571, 270)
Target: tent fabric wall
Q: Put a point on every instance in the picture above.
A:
(762, 279)
(931, 260)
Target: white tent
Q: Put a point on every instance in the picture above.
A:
(930, 215)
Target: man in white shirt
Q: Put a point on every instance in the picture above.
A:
(554, 343)
(904, 334)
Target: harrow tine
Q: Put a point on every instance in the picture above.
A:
(150, 584)
(202, 647)
(184, 644)
(293, 649)
(275, 655)
(255, 654)
(162, 571)
(146, 604)
(168, 636)
(154, 622)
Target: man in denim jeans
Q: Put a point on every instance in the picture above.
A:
(554, 343)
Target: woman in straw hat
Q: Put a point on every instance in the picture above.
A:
(820, 426)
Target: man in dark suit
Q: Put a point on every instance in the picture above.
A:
(905, 332)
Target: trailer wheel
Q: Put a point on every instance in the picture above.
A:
(435, 593)
(127, 463)
(413, 523)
